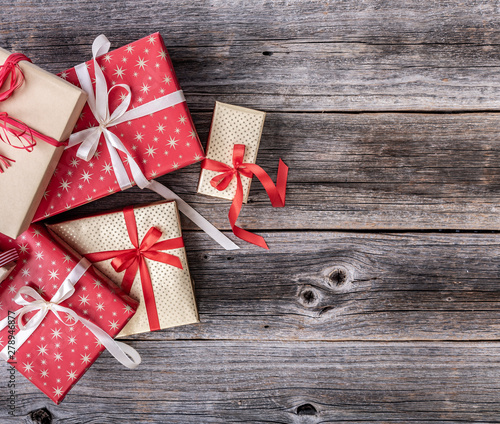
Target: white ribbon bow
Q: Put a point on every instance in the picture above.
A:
(89, 138)
(125, 354)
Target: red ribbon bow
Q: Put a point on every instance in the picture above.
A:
(221, 181)
(11, 72)
(133, 260)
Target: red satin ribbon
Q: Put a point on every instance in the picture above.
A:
(11, 72)
(133, 260)
(221, 181)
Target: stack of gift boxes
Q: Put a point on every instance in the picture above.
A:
(71, 289)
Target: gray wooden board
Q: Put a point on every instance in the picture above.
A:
(359, 171)
(346, 286)
(268, 382)
(329, 326)
(319, 56)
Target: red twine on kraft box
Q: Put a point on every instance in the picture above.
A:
(276, 192)
(11, 72)
(8, 256)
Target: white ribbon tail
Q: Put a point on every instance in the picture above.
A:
(21, 336)
(116, 162)
(193, 215)
(123, 353)
(114, 144)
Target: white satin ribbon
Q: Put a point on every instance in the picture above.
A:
(125, 354)
(89, 138)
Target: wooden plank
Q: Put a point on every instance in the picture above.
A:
(328, 326)
(335, 286)
(269, 382)
(359, 171)
(317, 56)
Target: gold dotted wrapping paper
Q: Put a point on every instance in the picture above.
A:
(231, 125)
(173, 288)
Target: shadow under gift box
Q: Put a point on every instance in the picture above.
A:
(51, 106)
(57, 355)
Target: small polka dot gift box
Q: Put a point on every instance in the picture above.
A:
(136, 125)
(231, 125)
(229, 166)
(69, 312)
(142, 250)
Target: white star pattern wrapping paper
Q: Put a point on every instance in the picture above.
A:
(160, 142)
(57, 355)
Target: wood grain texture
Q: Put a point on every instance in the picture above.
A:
(346, 286)
(296, 383)
(288, 55)
(358, 171)
(340, 321)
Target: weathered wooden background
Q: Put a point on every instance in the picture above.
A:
(379, 300)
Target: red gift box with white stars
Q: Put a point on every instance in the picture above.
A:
(57, 355)
(160, 142)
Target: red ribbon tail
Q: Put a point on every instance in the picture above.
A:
(149, 296)
(281, 181)
(276, 193)
(234, 212)
(128, 277)
(249, 237)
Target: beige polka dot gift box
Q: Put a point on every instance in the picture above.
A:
(141, 249)
(231, 125)
(229, 166)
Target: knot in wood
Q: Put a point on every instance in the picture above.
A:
(309, 296)
(306, 409)
(41, 416)
(338, 278)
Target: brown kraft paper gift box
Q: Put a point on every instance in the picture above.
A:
(51, 106)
